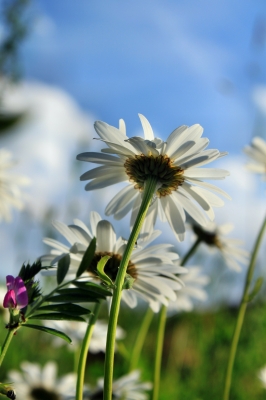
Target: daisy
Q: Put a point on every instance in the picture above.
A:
(127, 387)
(10, 194)
(257, 152)
(35, 382)
(76, 331)
(173, 163)
(153, 268)
(262, 376)
(193, 290)
(213, 236)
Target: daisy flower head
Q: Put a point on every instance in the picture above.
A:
(127, 387)
(173, 163)
(257, 152)
(153, 268)
(194, 289)
(35, 382)
(214, 237)
(10, 193)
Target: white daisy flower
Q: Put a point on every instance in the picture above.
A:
(262, 376)
(213, 236)
(153, 268)
(257, 152)
(36, 382)
(175, 165)
(194, 289)
(76, 331)
(127, 387)
(4, 312)
(10, 194)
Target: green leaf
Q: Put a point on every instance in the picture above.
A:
(128, 282)
(52, 331)
(87, 258)
(100, 270)
(57, 316)
(68, 308)
(74, 298)
(255, 289)
(62, 268)
(93, 287)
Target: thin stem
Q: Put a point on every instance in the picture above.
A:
(190, 252)
(7, 342)
(241, 312)
(148, 192)
(142, 332)
(84, 352)
(159, 351)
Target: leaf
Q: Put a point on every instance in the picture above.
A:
(57, 316)
(87, 258)
(52, 331)
(74, 298)
(28, 272)
(100, 270)
(255, 289)
(128, 282)
(68, 308)
(93, 287)
(62, 268)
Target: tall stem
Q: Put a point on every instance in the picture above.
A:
(6, 344)
(190, 252)
(141, 335)
(84, 351)
(149, 189)
(241, 312)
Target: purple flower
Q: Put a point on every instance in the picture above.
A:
(16, 296)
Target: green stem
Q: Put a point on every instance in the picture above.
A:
(190, 252)
(7, 342)
(149, 189)
(241, 312)
(84, 352)
(159, 352)
(142, 332)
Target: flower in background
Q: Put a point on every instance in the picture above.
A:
(127, 387)
(35, 382)
(174, 163)
(76, 331)
(153, 268)
(213, 236)
(16, 296)
(10, 194)
(4, 313)
(194, 282)
(262, 376)
(257, 152)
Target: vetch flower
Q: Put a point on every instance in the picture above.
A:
(16, 296)
(213, 236)
(10, 193)
(262, 376)
(127, 387)
(153, 267)
(35, 382)
(257, 152)
(174, 163)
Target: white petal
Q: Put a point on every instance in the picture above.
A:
(65, 231)
(103, 171)
(98, 158)
(121, 200)
(147, 129)
(206, 173)
(106, 236)
(99, 183)
(175, 216)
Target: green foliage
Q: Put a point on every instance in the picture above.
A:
(62, 268)
(100, 271)
(87, 258)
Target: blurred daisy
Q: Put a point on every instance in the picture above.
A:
(127, 387)
(262, 376)
(194, 289)
(76, 331)
(37, 383)
(257, 152)
(213, 236)
(4, 313)
(173, 163)
(153, 268)
(10, 194)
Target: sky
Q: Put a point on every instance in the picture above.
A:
(176, 62)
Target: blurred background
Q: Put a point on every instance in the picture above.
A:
(65, 64)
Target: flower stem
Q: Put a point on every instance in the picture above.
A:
(9, 337)
(149, 189)
(190, 252)
(159, 351)
(241, 312)
(142, 332)
(84, 351)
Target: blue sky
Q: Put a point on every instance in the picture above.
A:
(176, 62)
